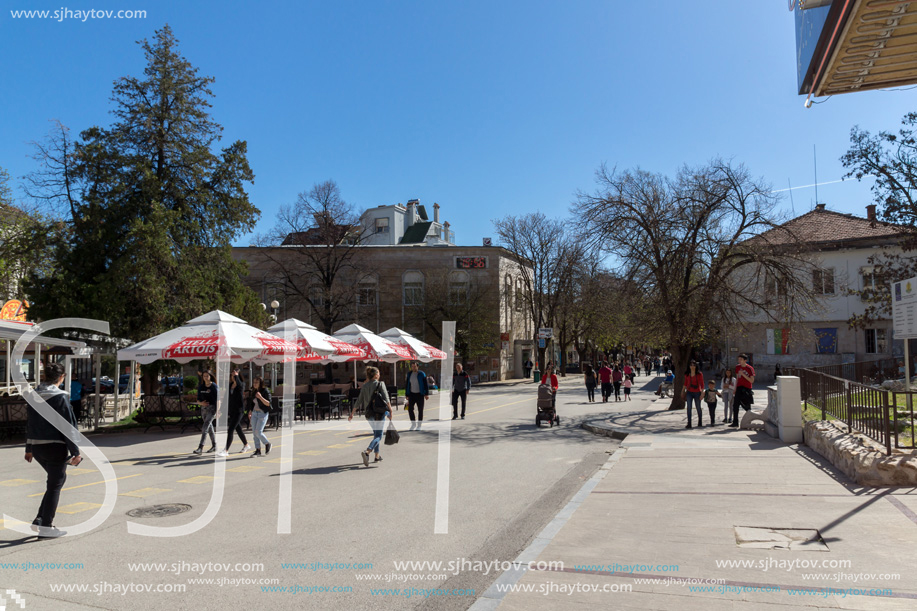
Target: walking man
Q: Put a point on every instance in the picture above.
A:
(745, 377)
(53, 449)
(527, 367)
(417, 391)
(605, 379)
(461, 384)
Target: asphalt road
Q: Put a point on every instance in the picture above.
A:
(507, 480)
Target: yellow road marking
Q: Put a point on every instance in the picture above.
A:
(92, 484)
(197, 479)
(145, 492)
(78, 471)
(18, 482)
(338, 445)
(311, 453)
(282, 461)
(245, 468)
(78, 507)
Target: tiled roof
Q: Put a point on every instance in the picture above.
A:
(826, 227)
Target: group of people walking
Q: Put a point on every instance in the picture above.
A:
(611, 378)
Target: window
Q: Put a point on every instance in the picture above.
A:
(413, 288)
(823, 281)
(875, 341)
(366, 293)
(869, 277)
(382, 225)
(774, 286)
(316, 296)
(458, 288)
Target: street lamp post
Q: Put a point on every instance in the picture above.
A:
(275, 306)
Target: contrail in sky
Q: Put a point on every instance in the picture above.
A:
(830, 182)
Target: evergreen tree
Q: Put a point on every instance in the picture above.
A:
(150, 210)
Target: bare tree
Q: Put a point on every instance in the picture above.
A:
(702, 249)
(313, 253)
(553, 254)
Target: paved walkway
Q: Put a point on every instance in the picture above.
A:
(677, 504)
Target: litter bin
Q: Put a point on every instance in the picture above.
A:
(536, 374)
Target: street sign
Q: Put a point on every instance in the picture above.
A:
(546, 333)
(904, 308)
(542, 342)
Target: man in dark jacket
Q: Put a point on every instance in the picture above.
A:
(417, 392)
(461, 384)
(53, 449)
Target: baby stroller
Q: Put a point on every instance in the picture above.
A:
(546, 409)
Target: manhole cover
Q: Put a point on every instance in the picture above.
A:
(159, 511)
(798, 539)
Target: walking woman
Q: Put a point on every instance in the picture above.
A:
(727, 389)
(616, 378)
(261, 401)
(590, 383)
(207, 394)
(694, 386)
(236, 411)
(374, 399)
(550, 378)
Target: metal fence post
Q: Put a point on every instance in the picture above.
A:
(888, 440)
(848, 407)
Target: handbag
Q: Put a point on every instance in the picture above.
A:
(391, 436)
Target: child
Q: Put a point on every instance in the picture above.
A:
(628, 382)
(710, 399)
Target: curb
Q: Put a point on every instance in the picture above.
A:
(603, 430)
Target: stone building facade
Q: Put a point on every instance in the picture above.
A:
(408, 286)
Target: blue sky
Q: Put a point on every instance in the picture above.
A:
(488, 108)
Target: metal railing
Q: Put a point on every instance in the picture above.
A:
(884, 416)
(865, 372)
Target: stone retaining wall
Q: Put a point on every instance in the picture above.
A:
(858, 458)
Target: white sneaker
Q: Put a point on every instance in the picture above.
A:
(247, 448)
(222, 453)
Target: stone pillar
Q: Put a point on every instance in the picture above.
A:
(789, 409)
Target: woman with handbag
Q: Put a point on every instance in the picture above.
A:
(375, 402)
(207, 396)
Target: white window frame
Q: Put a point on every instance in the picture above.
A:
(820, 279)
(459, 280)
(382, 225)
(877, 341)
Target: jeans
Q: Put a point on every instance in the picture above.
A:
(742, 399)
(606, 390)
(235, 426)
(378, 429)
(695, 398)
(590, 391)
(53, 459)
(727, 404)
(617, 391)
(415, 398)
(209, 415)
(259, 419)
(456, 395)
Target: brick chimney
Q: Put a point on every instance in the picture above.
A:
(435, 212)
(871, 214)
(820, 207)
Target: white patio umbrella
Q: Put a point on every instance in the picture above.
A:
(316, 346)
(421, 351)
(206, 337)
(375, 347)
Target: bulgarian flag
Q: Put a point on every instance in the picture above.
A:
(777, 341)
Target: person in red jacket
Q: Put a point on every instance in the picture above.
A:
(694, 386)
(550, 378)
(745, 377)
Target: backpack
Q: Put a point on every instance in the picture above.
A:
(377, 404)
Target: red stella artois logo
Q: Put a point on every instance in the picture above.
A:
(193, 347)
(275, 345)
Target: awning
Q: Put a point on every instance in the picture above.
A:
(11, 330)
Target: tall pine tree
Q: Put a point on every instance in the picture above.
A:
(150, 209)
